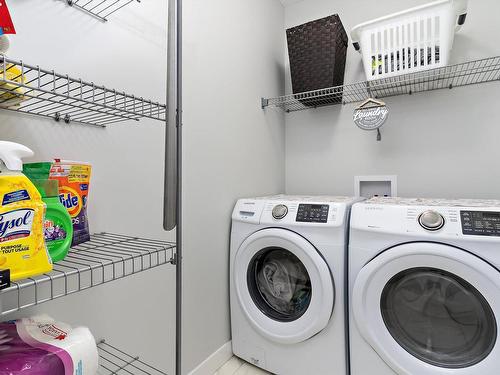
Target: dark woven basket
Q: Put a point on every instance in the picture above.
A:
(317, 52)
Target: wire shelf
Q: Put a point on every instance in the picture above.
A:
(100, 9)
(106, 257)
(30, 89)
(113, 361)
(469, 73)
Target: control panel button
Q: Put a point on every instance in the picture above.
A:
(431, 220)
(280, 211)
(312, 213)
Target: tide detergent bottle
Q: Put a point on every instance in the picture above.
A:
(22, 246)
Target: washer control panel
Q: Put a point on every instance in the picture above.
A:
(480, 223)
(312, 213)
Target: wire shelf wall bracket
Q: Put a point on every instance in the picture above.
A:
(100, 9)
(36, 91)
(105, 258)
(114, 361)
(463, 74)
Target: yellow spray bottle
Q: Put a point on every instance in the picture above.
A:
(22, 246)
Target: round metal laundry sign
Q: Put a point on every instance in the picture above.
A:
(371, 114)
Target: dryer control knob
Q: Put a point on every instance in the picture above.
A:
(280, 211)
(431, 220)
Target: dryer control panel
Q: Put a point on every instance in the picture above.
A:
(480, 223)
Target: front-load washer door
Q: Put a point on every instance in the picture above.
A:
(429, 308)
(284, 286)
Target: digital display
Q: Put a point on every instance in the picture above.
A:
(313, 213)
(480, 223)
(492, 216)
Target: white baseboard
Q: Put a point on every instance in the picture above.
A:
(214, 361)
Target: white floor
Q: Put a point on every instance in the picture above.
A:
(236, 366)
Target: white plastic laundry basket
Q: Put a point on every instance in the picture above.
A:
(410, 41)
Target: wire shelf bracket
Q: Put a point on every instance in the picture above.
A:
(100, 9)
(463, 74)
(113, 361)
(105, 258)
(32, 90)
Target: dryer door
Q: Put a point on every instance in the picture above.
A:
(284, 285)
(430, 308)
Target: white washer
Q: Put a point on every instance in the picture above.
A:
(287, 282)
(424, 285)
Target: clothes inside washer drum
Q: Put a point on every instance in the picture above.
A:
(439, 317)
(284, 283)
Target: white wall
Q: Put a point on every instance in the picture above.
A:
(440, 144)
(127, 53)
(233, 55)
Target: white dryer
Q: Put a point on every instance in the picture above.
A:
(287, 282)
(424, 286)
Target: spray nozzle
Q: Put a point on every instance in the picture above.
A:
(12, 153)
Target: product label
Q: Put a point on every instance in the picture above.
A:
(70, 199)
(52, 331)
(15, 196)
(6, 24)
(16, 224)
(14, 249)
(53, 230)
(54, 233)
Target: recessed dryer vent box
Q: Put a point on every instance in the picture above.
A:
(375, 186)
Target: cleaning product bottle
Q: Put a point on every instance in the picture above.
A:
(58, 227)
(22, 245)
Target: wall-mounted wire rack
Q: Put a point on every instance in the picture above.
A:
(468, 73)
(113, 361)
(100, 9)
(106, 257)
(32, 90)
